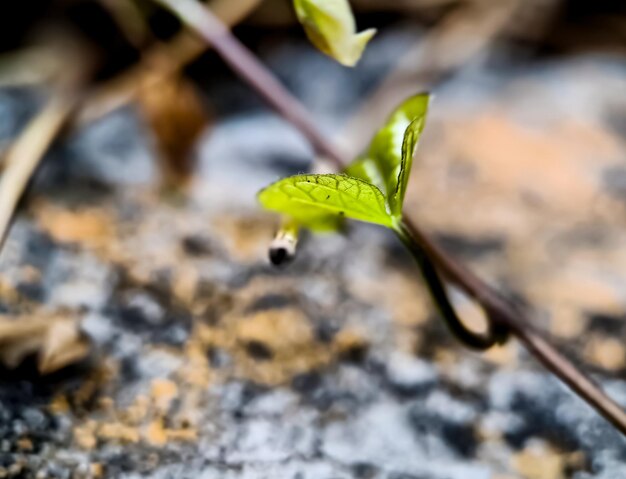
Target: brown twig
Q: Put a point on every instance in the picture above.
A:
(208, 27)
(26, 153)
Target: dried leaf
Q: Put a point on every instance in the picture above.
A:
(174, 112)
(14, 353)
(56, 340)
(63, 345)
(26, 152)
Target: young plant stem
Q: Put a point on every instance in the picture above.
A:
(495, 334)
(500, 312)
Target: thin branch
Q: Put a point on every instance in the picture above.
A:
(27, 66)
(500, 311)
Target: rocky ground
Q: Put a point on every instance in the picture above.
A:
(207, 363)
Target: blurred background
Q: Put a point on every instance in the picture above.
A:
(143, 332)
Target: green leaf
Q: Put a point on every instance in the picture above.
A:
(330, 26)
(387, 163)
(366, 169)
(312, 200)
(317, 219)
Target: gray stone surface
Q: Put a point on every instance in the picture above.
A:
(208, 364)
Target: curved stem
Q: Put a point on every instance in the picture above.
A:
(495, 334)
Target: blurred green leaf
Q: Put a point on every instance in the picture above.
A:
(330, 26)
(314, 200)
(316, 219)
(387, 163)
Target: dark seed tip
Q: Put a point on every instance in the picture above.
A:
(280, 256)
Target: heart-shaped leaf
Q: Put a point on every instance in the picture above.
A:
(387, 163)
(330, 26)
(314, 200)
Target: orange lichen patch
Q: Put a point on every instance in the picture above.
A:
(155, 433)
(91, 226)
(401, 294)
(446, 358)
(183, 435)
(196, 371)
(576, 461)
(25, 444)
(259, 287)
(580, 290)
(8, 292)
(107, 404)
(349, 343)
(490, 174)
(163, 392)
(407, 340)
(142, 421)
(137, 412)
(90, 386)
(607, 353)
(59, 404)
(85, 434)
(96, 470)
(566, 321)
(269, 347)
(118, 432)
(276, 329)
(503, 355)
(286, 341)
(539, 463)
(589, 140)
(142, 247)
(246, 238)
(185, 283)
(554, 164)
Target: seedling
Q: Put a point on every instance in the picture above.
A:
(372, 190)
(502, 315)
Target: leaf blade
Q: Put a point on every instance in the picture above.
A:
(309, 198)
(365, 168)
(388, 161)
(412, 135)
